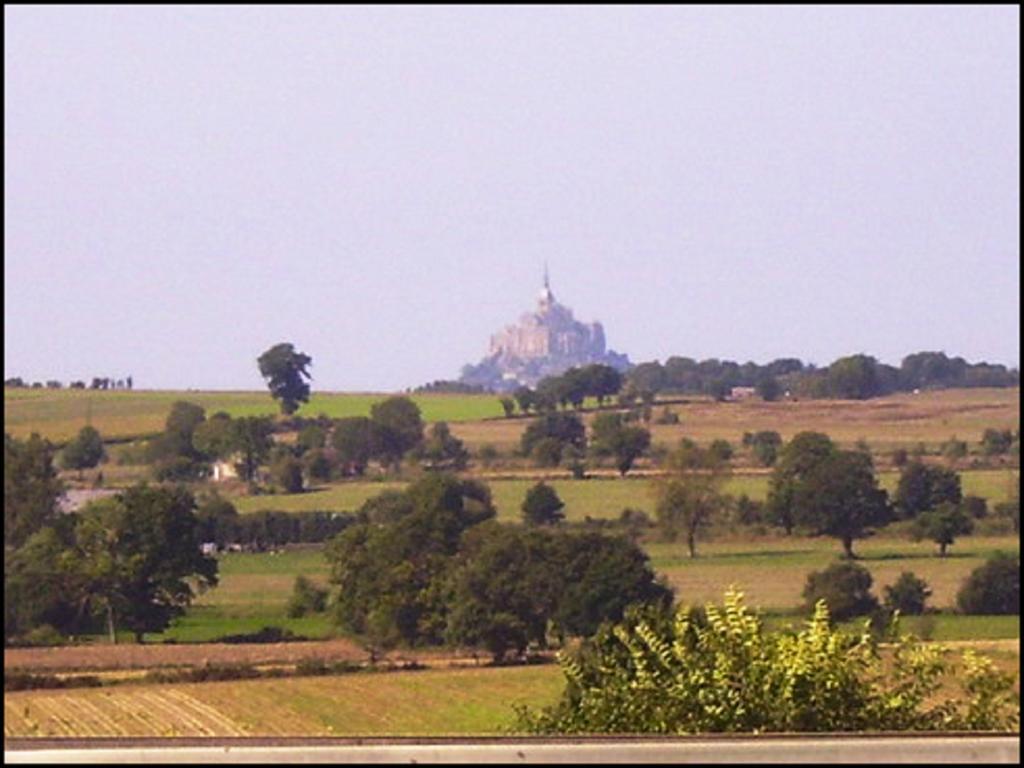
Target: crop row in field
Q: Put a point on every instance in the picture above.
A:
(430, 702)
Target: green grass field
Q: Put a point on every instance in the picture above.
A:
(771, 571)
(253, 593)
(59, 414)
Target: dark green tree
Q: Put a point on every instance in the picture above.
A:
(285, 370)
(286, 473)
(353, 441)
(612, 437)
(846, 589)
(250, 441)
(840, 497)
(389, 570)
(525, 399)
(853, 378)
(922, 487)
(566, 428)
(31, 488)
(768, 388)
(398, 428)
(140, 554)
(765, 446)
(992, 588)
(212, 439)
(84, 452)
(943, 525)
(798, 458)
(442, 450)
(508, 405)
(995, 442)
(307, 598)
(908, 595)
(541, 506)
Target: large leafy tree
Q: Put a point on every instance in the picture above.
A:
(798, 458)
(566, 428)
(31, 488)
(840, 497)
(625, 442)
(139, 555)
(512, 586)
(285, 370)
(923, 487)
(388, 569)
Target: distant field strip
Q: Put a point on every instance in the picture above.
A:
(432, 702)
(59, 414)
(772, 573)
(885, 423)
(599, 498)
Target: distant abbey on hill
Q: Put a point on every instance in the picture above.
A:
(545, 342)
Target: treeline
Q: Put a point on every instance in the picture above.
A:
(324, 448)
(106, 382)
(431, 566)
(853, 377)
(448, 386)
(220, 524)
(128, 562)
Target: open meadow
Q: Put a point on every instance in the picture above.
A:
(770, 570)
(58, 414)
(597, 497)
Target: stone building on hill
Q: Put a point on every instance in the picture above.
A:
(545, 342)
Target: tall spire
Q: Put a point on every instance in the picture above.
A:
(547, 284)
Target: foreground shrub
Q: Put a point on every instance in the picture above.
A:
(992, 588)
(725, 673)
(845, 587)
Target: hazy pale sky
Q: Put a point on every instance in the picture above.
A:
(186, 186)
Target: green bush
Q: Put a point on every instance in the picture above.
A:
(306, 598)
(908, 595)
(43, 635)
(845, 587)
(727, 674)
(286, 472)
(992, 588)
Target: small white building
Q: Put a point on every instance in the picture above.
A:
(742, 393)
(224, 470)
